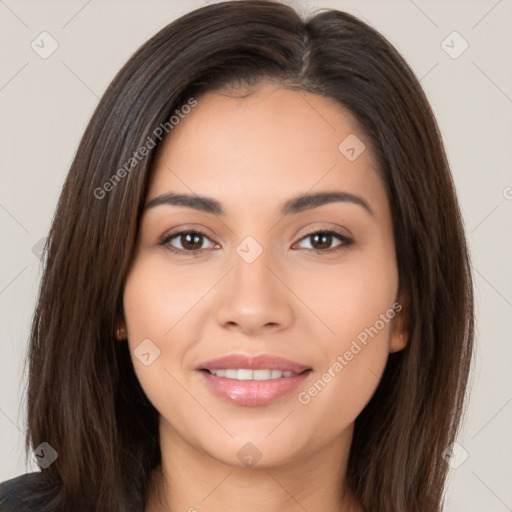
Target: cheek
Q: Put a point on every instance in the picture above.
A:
(354, 361)
(336, 397)
(357, 304)
(162, 306)
(350, 297)
(157, 299)
(151, 309)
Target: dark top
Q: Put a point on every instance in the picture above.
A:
(39, 492)
(23, 493)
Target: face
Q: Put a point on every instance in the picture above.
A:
(265, 313)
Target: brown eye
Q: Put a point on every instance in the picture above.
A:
(322, 241)
(186, 241)
(191, 241)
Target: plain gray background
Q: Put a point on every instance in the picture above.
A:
(46, 102)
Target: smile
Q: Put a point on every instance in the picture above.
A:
(250, 380)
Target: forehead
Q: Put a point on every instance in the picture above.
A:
(252, 146)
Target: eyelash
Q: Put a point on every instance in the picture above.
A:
(182, 252)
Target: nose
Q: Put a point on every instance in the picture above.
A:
(253, 299)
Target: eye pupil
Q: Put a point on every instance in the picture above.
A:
(321, 240)
(191, 241)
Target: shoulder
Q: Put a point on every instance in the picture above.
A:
(23, 493)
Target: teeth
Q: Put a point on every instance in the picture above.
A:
(230, 374)
(245, 374)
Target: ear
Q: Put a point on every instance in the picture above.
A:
(121, 333)
(400, 323)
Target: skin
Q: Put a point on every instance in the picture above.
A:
(252, 152)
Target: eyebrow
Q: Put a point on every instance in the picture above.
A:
(294, 205)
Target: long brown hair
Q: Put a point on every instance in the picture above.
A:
(83, 396)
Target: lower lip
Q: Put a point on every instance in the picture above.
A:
(252, 392)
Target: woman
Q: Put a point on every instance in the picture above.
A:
(257, 291)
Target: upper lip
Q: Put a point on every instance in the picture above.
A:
(260, 362)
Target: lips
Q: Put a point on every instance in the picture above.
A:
(252, 381)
